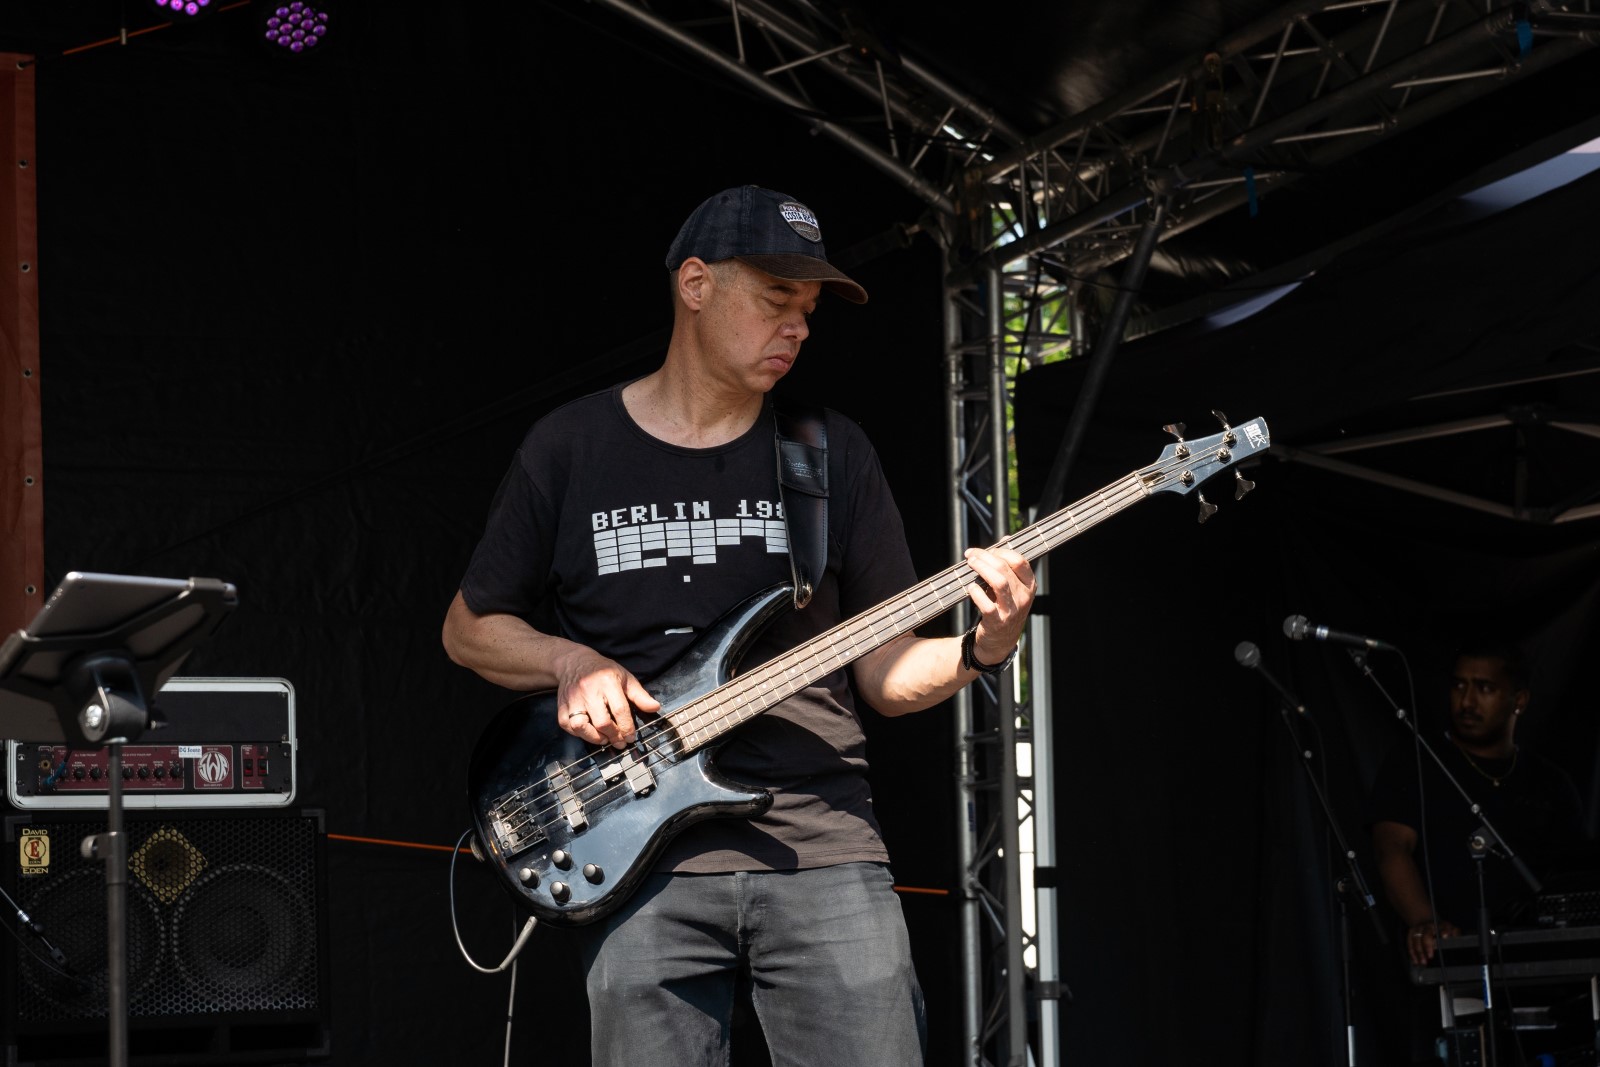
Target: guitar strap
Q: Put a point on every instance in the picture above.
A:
(802, 448)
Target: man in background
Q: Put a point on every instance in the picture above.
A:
(1528, 799)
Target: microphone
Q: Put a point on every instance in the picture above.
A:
(1297, 628)
(1249, 656)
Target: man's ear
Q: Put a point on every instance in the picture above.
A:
(694, 277)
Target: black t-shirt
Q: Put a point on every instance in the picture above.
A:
(637, 545)
(1535, 808)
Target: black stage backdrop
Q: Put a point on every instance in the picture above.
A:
(296, 320)
(1196, 870)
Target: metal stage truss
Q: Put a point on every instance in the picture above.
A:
(1024, 221)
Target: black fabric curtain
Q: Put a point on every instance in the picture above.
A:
(1198, 870)
(296, 319)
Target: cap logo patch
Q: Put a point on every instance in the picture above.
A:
(801, 220)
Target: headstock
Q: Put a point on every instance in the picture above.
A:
(1184, 465)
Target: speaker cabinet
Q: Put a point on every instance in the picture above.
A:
(226, 933)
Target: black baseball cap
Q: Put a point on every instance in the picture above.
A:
(766, 229)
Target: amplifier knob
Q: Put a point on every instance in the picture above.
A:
(562, 858)
(561, 892)
(593, 872)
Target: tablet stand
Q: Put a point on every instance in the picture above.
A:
(98, 648)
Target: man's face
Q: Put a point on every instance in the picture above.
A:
(1483, 701)
(755, 323)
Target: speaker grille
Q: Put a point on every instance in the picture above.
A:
(225, 918)
(72, 910)
(166, 864)
(244, 940)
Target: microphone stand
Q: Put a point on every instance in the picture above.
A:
(1353, 883)
(1480, 844)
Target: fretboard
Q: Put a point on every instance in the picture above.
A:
(704, 720)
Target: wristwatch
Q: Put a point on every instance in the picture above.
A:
(971, 663)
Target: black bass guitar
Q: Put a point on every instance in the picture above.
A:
(573, 828)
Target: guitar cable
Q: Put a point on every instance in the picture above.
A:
(511, 957)
(58, 959)
(455, 928)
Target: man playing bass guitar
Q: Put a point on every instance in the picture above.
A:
(636, 517)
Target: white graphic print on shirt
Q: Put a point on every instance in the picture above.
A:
(631, 538)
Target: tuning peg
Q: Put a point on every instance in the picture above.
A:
(1220, 417)
(1176, 430)
(1207, 509)
(1241, 484)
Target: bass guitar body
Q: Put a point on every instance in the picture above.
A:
(573, 828)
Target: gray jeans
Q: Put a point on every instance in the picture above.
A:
(829, 965)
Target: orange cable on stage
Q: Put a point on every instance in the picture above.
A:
(115, 40)
(396, 844)
(126, 35)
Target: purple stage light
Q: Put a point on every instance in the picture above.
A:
(296, 27)
(180, 10)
